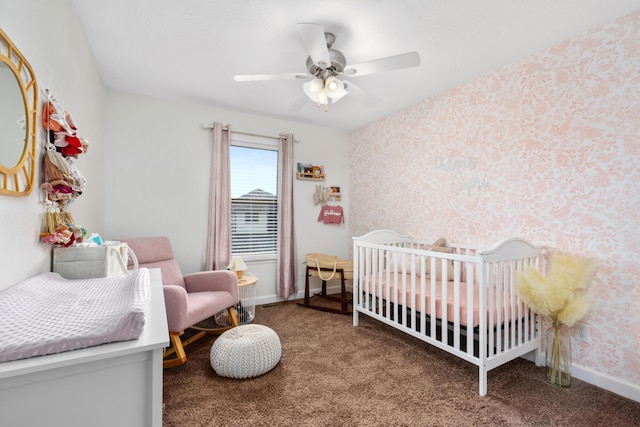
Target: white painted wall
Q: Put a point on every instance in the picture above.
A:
(49, 36)
(157, 158)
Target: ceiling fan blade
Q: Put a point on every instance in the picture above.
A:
(299, 103)
(360, 94)
(404, 60)
(261, 77)
(316, 44)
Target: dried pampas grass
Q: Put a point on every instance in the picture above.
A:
(561, 294)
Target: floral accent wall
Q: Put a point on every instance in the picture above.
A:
(547, 148)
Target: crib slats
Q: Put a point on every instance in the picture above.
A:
(470, 278)
(432, 303)
(387, 294)
(497, 309)
(515, 324)
(423, 291)
(380, 254)
(456, 304)
(443, 304)
(403, 287)
(488, 293)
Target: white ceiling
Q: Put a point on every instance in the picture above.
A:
(190, 50)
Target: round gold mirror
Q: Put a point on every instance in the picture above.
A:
(18, 113)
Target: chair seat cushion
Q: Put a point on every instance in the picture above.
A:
(203, 305)
(246, 351)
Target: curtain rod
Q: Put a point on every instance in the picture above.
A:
(209, 127)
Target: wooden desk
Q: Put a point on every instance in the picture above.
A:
(116, 384)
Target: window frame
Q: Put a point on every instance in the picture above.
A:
(261, 143)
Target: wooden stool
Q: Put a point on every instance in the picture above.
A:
(342, 299)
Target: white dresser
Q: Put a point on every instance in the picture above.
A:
(116, 384)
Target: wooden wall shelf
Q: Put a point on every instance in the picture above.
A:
(311, 176)
(310, 172)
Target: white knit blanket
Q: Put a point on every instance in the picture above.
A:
(49, 314)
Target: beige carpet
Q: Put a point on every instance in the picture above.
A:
(332, 374)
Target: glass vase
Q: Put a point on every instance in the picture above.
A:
(558, 355)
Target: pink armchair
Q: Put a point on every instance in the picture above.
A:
(188, 299)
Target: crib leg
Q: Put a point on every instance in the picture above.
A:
(538, 358)
(355, 302)
(483, 380)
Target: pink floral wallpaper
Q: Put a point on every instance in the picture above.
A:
(548, 149)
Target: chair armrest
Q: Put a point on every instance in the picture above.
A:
(215, 280)
(175, 301)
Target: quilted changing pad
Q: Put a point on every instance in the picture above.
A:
(48, 314)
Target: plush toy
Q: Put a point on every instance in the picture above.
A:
(321, 195)
(62, 130)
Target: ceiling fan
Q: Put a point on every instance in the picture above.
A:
(324, 64)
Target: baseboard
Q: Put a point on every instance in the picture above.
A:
(598, 379)
(588, 375)
(271, 299)
(614, 385)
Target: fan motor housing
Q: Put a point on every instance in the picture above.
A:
(338, 61)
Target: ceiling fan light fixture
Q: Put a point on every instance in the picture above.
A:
(312, 90)
(335, 88)
(335, 97)
(316, 85)
(321, 90)
(332, 84)
(323, 97)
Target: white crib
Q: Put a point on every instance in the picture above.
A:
(475, 313)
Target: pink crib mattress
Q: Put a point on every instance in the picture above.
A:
(48, 314)
(423, 303)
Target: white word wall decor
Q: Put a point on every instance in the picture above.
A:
(460, 178)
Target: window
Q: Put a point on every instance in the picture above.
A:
(252, 217)
(254, 196)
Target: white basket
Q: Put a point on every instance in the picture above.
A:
(246, 308)
(87, 262)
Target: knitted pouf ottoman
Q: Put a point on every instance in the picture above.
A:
(245, 351)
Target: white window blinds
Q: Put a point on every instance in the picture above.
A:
(254, 198)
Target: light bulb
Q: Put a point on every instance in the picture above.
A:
(311, 90)
(316, 85)
(335, 88)
(322, 97)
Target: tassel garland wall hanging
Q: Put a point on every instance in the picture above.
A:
(63, 181)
